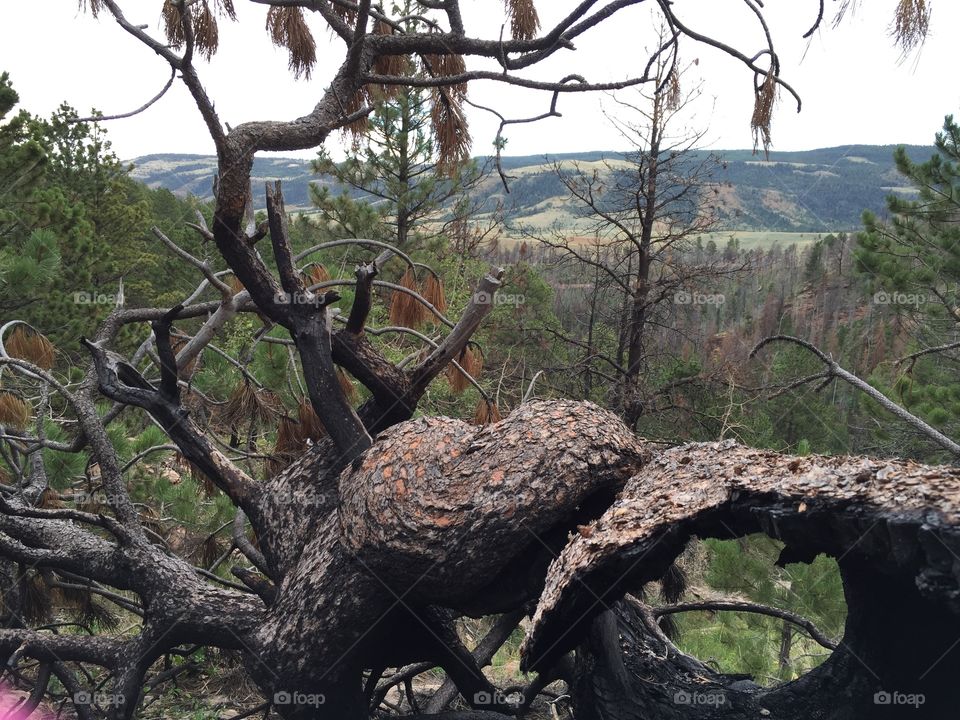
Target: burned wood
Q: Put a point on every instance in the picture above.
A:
(891, 524)
(434, 485)
(362, 300)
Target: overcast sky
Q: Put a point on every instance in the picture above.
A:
(854, 87)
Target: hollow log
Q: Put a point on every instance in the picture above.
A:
(891, 525)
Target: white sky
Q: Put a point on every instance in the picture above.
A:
(855, 90)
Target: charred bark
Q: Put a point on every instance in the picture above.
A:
(431, 516)
(891, 525)
(365, 555)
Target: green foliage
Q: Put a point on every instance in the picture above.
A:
(23, 161)
(28, 268)
(150, 437)
(29, 255)
(913, 261)
(918, 249)
(74, 227)
(117, 433)
(393, 184)
(741, 642)
(62, 467)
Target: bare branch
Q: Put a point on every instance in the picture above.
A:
(201, 265)
(913, 357)
(835, 370)
(121, 116)
(749, 607)
(480, 305)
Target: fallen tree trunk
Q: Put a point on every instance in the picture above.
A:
(892, 526)
(433, 515)
(368, 564)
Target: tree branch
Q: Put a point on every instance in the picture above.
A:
(835, 370)
(362, 299)
(749, 607)
(308, 319)
(122, 383)
(480, 305)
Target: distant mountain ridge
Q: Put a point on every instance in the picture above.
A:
(819, 190)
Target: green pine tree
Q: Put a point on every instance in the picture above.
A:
(394, 183)
(29, 254)
(913, 261)
(769, 649)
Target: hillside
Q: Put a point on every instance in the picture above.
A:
(805, 191)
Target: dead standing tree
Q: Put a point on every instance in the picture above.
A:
(372, 541)
(645, 208)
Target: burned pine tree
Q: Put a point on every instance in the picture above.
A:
(645, 209)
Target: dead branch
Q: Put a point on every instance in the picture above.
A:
(834, 370)
(749, 607)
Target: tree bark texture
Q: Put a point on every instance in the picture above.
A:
(558, 507)
(891, 525)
